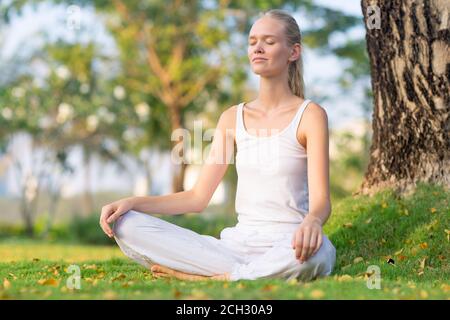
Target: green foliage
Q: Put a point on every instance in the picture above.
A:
(355, 52)
(347, 169)
(87, 230)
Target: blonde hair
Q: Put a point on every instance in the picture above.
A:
(293, 35)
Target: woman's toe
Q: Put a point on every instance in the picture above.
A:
(155, 268)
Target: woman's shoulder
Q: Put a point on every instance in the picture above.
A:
(314, 120)
(314, 112)
(227, 119)
(231, 111)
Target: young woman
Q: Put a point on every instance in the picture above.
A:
(282, 197)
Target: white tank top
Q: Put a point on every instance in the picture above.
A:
(272, 187)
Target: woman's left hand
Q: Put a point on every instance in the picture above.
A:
(307, 238)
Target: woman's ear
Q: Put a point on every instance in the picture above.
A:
(296, 51)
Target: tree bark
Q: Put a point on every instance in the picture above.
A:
(410, 69)
(178, 178)
(179, 169)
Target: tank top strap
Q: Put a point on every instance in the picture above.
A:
(239, 121)
(299, 114)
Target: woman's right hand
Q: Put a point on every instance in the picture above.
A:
(112, 211)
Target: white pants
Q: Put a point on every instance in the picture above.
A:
(243, 251)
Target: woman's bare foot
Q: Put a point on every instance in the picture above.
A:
(165, 272)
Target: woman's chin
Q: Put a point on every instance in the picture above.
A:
(258, 69)
(260, 72)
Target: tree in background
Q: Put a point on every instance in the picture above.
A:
(408, 45)
(166, 49)
(55, 111)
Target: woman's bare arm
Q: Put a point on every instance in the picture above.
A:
(308, 238)
(318, 163)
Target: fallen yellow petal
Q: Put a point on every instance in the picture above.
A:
(317, 294)
(348, 225)
(6, 283)
(423, 294)
(345, 277)
(48, 282)
(358, 259)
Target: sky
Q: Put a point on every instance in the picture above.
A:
(320, 72)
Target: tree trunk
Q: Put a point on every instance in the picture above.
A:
(178, 177)
(27, 217)
(29, 192)
(29, 201)
(179, 169)
(148, 174)
(55, 195)
(410, 68)
(87, 194)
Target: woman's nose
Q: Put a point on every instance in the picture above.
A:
(258, 49)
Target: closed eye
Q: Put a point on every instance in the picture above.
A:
(251, 44)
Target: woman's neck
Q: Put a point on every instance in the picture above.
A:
(274, 93)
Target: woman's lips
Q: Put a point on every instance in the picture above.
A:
(259, 59)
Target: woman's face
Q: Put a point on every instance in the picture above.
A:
(266, 40)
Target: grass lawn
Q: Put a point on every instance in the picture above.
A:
(411, 233)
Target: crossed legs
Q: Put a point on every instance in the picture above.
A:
(170, 251)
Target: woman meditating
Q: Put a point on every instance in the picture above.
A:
(282, 197)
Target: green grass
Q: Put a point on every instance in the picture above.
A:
(366, 231)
